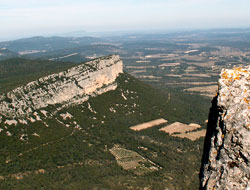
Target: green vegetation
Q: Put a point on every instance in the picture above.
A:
(16, 72)
(77, 159)
(74, 153)
(7, 54)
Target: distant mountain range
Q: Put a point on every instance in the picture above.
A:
(6, 54)
(39, 43)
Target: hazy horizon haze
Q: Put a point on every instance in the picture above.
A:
(31, 18)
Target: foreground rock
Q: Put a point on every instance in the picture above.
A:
(226, 157)
(72, 86)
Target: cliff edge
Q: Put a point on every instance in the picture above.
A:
(226, 156)
(72, 86)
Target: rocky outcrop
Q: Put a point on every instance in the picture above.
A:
(72, 86)
(226, 157)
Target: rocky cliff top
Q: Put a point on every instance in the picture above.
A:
(226, 157)
(234, 96)
(72, 86)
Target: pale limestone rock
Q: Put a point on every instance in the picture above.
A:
(8, 133)
(31, 119)
(37, 116)
(72, 86)
(36, 135)
(226, 157)
(22, 121)
(91, 109)
(112, 110)
(11, 122)
(124, 97)
(66, 115)
(23, 136)
(44, 113)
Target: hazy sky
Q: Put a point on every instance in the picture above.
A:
(40, 17)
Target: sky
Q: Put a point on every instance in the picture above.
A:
(20, 18)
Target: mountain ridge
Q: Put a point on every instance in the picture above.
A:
(40, 43)
(71, 86)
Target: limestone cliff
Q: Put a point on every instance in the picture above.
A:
(226, 157)
(72, 86)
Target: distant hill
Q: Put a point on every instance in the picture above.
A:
(43, 44)
(77, 54)
(6, 54)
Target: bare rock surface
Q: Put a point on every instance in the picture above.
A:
(226, 156)
(72, 86)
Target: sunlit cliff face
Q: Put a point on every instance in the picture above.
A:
(226, 155)
(72, 86)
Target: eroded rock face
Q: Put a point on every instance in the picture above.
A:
(65, 88)
(226, 157)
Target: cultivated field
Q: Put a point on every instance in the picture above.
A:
(197, 75)
(209, 91)
(169, 65)
(130, 160)
(192, 135)
(140, 67)
(148, 124)
(192, 83)
(178, 127)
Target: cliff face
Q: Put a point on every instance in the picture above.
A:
(72, 86)
(226, 157)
